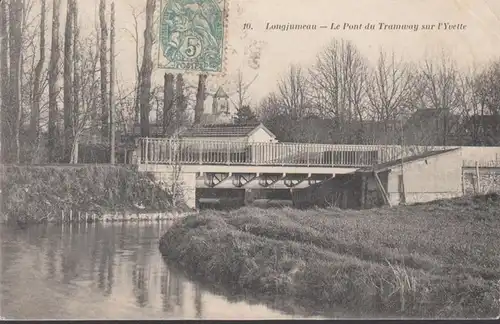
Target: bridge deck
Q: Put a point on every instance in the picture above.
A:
(190, 152)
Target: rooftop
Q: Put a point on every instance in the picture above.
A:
(220, 93)
(223, 130)
(155, 130)
(390, 164)
(487, 121)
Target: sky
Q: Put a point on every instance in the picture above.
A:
(477, 43)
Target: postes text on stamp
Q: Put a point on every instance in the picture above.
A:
(192, 35)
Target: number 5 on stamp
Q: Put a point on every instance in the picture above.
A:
(192, 35)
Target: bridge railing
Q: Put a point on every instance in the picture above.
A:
(186, 151)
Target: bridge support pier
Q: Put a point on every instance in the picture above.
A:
(183, 183)
(249, 196)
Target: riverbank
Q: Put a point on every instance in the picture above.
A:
(438, 259)
(60, 193)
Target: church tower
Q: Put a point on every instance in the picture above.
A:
(220, 104)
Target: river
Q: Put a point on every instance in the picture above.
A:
(104, 271)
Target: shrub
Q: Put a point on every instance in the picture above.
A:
(35, 194)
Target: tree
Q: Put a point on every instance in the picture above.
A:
(483, 122)
(4, 84)
(200, 98)
(468, 100)
(68, 79)
(168, 102)
(390, 95)
(135, 36)
(146, 69)
(104, 69)
(37, 92)
(390, 87)
(438, 86)
(16, 22)
(180, 101)
(76, 64)
(53, 75)
(88, 90)
(173, 112)
(322, 104)
(112, 107)
(285, 111)
(294, 93)
(242, 90)
(18, 60)
(244, 116)
(306, 128)
(488, 83)
(278, 120)
(338, 81)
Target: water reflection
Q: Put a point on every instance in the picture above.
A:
(110, 271)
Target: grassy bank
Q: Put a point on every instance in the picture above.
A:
(438, 259)
(32, 194)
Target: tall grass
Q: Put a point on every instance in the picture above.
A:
(432, 260)
(36, 194)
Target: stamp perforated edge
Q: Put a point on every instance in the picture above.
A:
(217, 76)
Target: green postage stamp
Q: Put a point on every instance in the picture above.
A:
(192, 35)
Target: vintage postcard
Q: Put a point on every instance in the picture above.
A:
(249, 159)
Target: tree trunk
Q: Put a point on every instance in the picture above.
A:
(12, 77)
(4, 84)
(112, 84)
(137, 114)
(168, 100)
(37, 93)
(146, 69)
(76, 67)
(180, 101)
(104, 70)
(68, 74)
(200, 99)
(53, 75)
(20, 31)
(75, 116)
(15, 60)
(74, 149)
(137, 102)
(96, 102)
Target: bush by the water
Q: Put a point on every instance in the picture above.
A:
(35, 194)
(439, 259)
